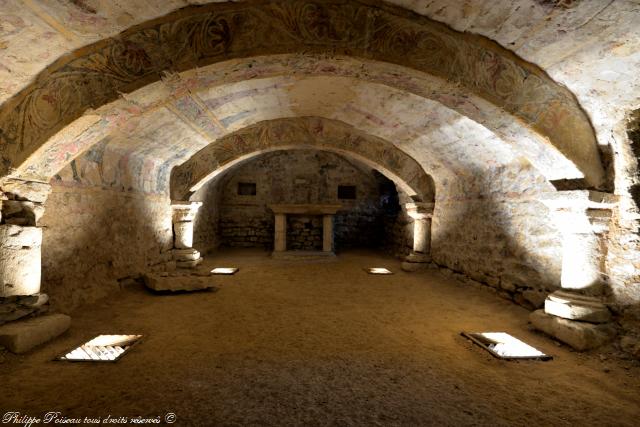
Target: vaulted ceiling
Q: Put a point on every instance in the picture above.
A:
(528, 86)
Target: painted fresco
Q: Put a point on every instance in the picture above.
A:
(305, 132)
(195, 37)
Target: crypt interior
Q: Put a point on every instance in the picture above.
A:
(483, 152)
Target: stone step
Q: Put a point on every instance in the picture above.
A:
(177, 283)
(579, 335)
(574, 306)
(23, 335)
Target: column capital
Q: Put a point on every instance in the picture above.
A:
(22, 202)
(25, 190)
(184, 210)
(581, 211)
(420, 210)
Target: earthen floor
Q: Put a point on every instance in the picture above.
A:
(319, 343)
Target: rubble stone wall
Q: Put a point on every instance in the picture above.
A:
(94, 239)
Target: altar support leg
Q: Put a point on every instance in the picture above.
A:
(327, 233)
(280, 235)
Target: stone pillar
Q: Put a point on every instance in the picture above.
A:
(20, 260)
(280, 233)
(183, 215)
(21, 207)
(576, 314)
(327, 233)
(420, 256)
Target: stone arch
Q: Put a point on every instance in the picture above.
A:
(200, 35)
(301, 133)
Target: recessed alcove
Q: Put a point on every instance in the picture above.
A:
(370, 217)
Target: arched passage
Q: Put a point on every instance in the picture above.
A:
(306, 132)
(303, 133)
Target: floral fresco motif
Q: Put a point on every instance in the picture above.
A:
(197, 36)
(303, 132)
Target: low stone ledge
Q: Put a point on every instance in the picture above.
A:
(297, 255)
(24, 335)
(177, 282)
(579, 335)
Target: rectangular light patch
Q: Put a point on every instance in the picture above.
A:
(505, 346)
(103, 348)
(225, 270)
(378, 270)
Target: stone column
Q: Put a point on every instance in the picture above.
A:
(183, 215)
(21, 207)
(576, 314)
(420, 256)
(327, 233)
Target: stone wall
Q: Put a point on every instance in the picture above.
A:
(305, 176)
(506, 243)
(95, 238)
(304, 233)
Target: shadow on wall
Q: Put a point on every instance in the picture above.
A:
(494, 231)
(633, 134)
(94, 238)
(206, 229)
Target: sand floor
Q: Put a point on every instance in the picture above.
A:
(319, 343)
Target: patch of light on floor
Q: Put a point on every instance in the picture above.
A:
(505, 346)
(378, 270)
(103, 348)
(224, 270)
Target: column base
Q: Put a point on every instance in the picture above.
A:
(17, 307)
(416, 262)
(186, 258)
(189, 254)
(189, 264)
(579, 335)
(573, 306)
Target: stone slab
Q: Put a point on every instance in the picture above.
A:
(302, 255)
(177, 283)
(305, 209)
(576, 307)
(24, 335)
(579, 335)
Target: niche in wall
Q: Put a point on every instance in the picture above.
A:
(347, 192)
(247, 189)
